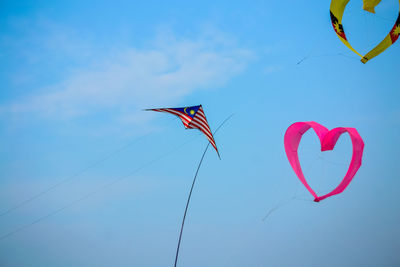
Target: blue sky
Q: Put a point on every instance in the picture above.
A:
(76, 75)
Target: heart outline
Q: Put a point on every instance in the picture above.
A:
(328, 139)
(337, 9)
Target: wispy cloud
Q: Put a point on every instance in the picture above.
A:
(125, 79)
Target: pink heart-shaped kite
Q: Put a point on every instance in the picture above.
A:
(328, 141)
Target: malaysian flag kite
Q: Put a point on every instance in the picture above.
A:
(192, 118)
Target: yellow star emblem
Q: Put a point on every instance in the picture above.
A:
(396, 31)
(337, 27)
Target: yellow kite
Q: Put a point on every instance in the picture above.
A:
(337, 10)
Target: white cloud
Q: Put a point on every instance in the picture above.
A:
(124, 80)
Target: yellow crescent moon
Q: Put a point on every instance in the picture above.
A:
(184, 110)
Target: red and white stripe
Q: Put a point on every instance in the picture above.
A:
(199, 121)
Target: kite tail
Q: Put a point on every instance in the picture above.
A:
(191, 190)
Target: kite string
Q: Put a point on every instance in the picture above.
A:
(329, 55)
(191, 190)
(310, 51)
(323, 176)
(93, 192)
(294, 197)
(75, 175)
(317, 42)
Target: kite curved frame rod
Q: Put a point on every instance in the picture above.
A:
(191, 191)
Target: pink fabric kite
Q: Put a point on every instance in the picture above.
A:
(328, 141)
